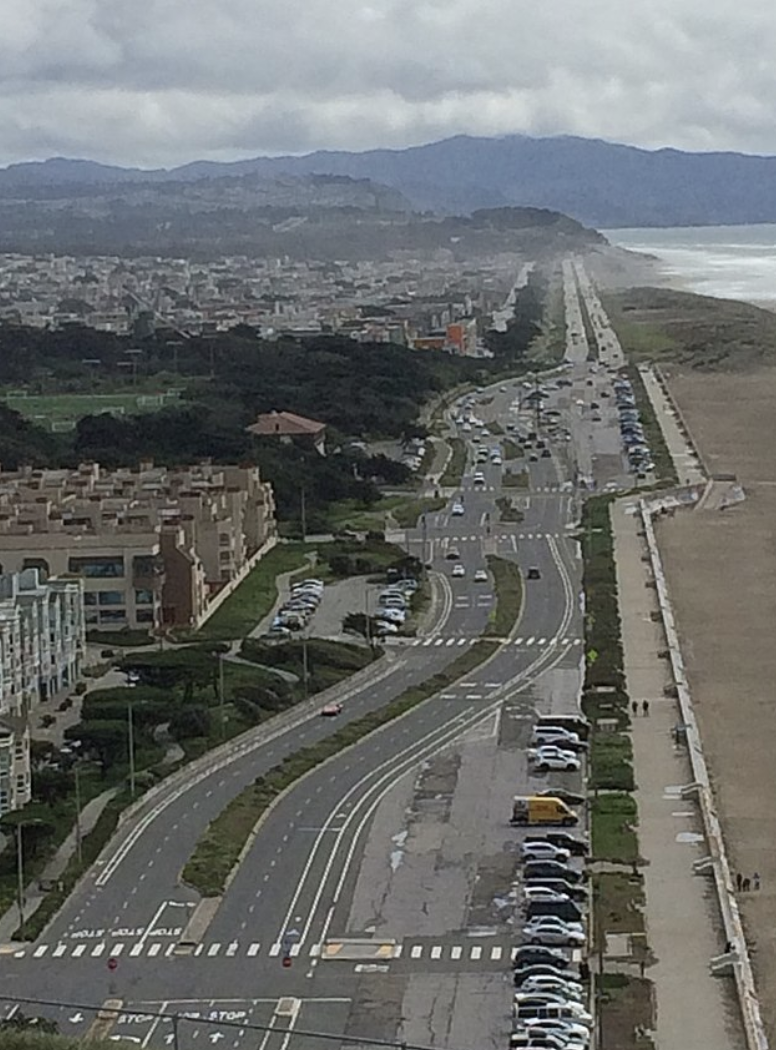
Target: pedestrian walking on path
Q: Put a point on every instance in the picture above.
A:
(645, 707)
(747, 885)
(635, 707)
(756, 880)
(739, 881)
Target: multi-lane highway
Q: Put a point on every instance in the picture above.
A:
(386, 875)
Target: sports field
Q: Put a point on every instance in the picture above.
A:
(62, 411)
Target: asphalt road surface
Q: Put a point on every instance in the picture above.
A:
(386, 878)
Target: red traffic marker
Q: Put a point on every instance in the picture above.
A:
(286, 961)
(113, 964)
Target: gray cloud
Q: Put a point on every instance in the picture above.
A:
(163, 81)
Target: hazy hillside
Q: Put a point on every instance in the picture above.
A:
(599, 183)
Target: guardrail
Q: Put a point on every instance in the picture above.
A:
(738, 959)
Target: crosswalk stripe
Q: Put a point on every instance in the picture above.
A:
(231, 949)
(97, 950)
(274, 950)
(154, 949)
(117, 949)
(199, 949)
(531, 640)
(398, 948)
(476, 952)
(59, 951)
(416, 951)
(439, 641)
(214, 949)
(518, 641)
(136, 949)
(293, 951)
(513, 954)
(254, 949)
(462, 641)
(542, 641)
(78, 951)
(315, 951)
(169, 950)
(496, 952)
(39, 951)
(436, 952)
(456, 951)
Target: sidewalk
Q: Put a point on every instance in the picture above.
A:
(693, 1010)
(688, 468)
(33, 896)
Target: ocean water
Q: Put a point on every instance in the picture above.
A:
(728, 262)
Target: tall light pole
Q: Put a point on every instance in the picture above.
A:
(221, 694)
(20, 871)
(78, 836)
(131, 741)
(305, 668)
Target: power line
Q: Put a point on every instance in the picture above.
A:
(256, 1026)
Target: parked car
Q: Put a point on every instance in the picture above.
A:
(523, 972)
(459, 570)
(453, 554)
(572, 1030)
(528, 955)
(571, 798)
(545, 894)
(576, 846)
(480, 576)
(543, 851)
(551, 869)
(542, 933)
(574, 890)
(545, 760)
(332, 709)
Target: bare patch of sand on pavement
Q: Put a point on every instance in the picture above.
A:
(721, 568)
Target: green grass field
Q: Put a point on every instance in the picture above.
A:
(62, 411)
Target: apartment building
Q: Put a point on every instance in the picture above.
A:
(155, 546)
(42, 641)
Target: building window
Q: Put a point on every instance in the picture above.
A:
(110, 597)
(92, 616)
(145, 616)
(113, 616)
(144, 597)
(97, 567)
(90, 598)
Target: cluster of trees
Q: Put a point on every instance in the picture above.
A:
(354, 389)
(525, 324)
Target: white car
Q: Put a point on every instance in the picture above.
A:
(457, 510)
(543, 851)
(386, 627)
(564, 761)
(560, 1026)
(544, 895)
(554, 935)
(544, 982)
(555, 731)
(459, 570)
(496, 461)
(480, 576)
(392, 615)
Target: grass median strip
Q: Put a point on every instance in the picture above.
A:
(508, 583)
(219, 849)
(456, 464)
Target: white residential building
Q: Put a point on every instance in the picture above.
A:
(42, 640)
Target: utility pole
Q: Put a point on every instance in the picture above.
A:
(131, 739)
(424, 530)
(368, 622)
(20, 871)
(303, 513)
(221, 691)
(78, 836)
(305, 668)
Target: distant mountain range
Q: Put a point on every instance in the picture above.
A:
(599, 183)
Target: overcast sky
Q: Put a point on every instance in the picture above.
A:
(161, 82)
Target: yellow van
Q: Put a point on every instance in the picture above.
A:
(542, 809)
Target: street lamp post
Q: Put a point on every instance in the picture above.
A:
(221, 694)
(78, 836)
(20, 871)
(131, 741)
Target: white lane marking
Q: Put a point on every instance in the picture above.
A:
(116, 950)
(136, 949)
(398, 949)
(254, 949)
(274, 950)
(40, 951)
(59, 951)
(416, 951)
(214, 949)
(293, 951)
(456, 952)
(436, 952)
(231, 948)
(98, 949)
(154, 949)
(476, 952)
(496, 953)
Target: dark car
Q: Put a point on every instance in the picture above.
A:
(534, 573)
(564, 743)
(531, 954)
(577, 847)
(568, 797)
(576, 892)
(568, 911)
(550, 869)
